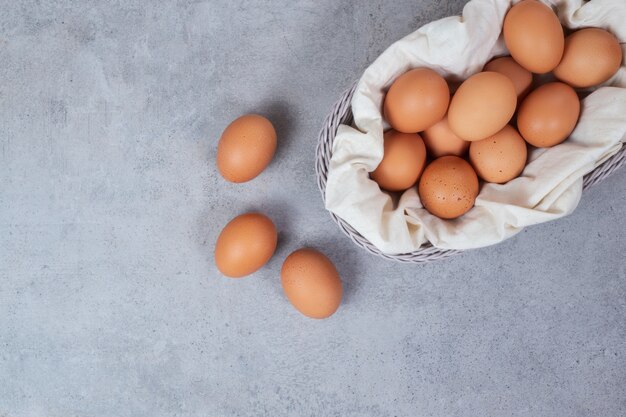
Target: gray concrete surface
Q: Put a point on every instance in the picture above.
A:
(110, 205)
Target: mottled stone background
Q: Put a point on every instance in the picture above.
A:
(110, 205)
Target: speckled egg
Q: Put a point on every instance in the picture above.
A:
(499, 158)
(448, 187)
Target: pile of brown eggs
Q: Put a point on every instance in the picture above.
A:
(446, 144)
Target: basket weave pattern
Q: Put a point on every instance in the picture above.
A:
(342, 114)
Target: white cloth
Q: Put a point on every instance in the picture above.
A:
(457, 47)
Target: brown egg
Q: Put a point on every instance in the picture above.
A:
(534, 36)
(440, 140)
(403, 161)
(591, 57)
(416, 100)
(499, 158)
(246, 148)
(521, 77)
(245, 245)
(548, 115)
(311, 283)
(448, 187)
(482, 106)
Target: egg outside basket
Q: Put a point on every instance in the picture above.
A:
(342, 114)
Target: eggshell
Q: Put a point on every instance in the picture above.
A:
(482, 106)
(534, 36)
(448, 187)
(591, 57)
(416, 100)
(548, 115)
(440, 140)
(403, 161)
(246, 147)
(245, 245)
(499, 158)
(520, 76)
(311, 283)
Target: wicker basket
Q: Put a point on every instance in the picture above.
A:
(342, 114)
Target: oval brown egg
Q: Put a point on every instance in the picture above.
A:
(534, 36)
(246, 147)
(548, 115)
(416, 100)
(245, 244)
(311, 283)
(440, 140)
(591, 57)
(482, 106)
(403, 161)
(448, 187)
(499, 158)
(520, 76)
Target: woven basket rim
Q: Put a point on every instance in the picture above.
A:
(341, 113)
